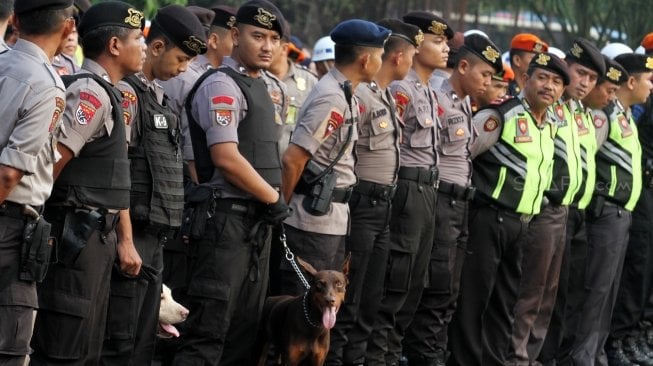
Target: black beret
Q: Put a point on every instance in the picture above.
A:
(429, 23)
(614, 72)
(204, 15)
(551, 62)
(408, 32)
(358, 32)
(585, 53)
(261, 13)
(485, 49)
(82, 5)
(634, 62)
(225, 16)
(25, 6)
(111, 13)
(182, 27)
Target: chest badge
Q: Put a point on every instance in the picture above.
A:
(522, 134)
(383, 124)
(301, 84)
(625, 126)
(582, 129)
(460, 132)
(160, 121)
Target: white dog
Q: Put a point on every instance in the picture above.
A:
(170, 312)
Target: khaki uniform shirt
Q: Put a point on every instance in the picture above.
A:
(299, 83)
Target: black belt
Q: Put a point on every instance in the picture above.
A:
(16, 210)
(341, 195)
(456, 192)
(489, 202)
(419, 175)
(375, 190)
(58, 213)
(240, 206)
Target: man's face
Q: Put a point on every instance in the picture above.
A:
(496, 90)
(254, 46)
(170, 63)
(476, 76)
(543, 88)
(521, 61)
(581, 80)
(132, 51)
(433, 52)
(600, 95)
(641, 87)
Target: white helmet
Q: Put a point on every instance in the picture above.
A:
(324, 49)
(615, 49)
(475, 31)
(558, 52)
(640, 50)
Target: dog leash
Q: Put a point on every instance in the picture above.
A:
(290, 256)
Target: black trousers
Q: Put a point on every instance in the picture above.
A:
(637, 271)
(427, 334)
(228, 283)
(480, 331)
(607, 238)
(542, 257)
(17, 298)
(133, 315)
(73, 301)
(568, 308)
(411, 240)
(368, 242)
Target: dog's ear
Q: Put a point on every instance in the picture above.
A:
(345, 265)
(307, 267)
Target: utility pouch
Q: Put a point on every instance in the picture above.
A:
(317, 185)
(78, 227)
(36, 249)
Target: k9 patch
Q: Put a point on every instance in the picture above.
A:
(160, 121)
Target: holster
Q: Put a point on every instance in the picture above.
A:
(78, 227)
(36, 250)
(318, 186)
(199, 207)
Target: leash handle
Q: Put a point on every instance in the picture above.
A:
(290, 257)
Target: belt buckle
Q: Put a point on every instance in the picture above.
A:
(525, 218)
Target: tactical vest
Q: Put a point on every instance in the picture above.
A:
(257, 132)
(566, 172)
(516, 170)
(157, 194)
(588, 147)
(99, 176)
(618, 161)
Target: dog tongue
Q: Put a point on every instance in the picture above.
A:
(170, 329)
(329, 317)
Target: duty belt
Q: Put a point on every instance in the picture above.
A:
(419, 175)
(375, 190)
(341, 195)
(239, 206)
(108, 221)
(17, 210)
(486, 201)
(456, 192)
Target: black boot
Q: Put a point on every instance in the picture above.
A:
(643, 345)
(616, 355)
(634, 353)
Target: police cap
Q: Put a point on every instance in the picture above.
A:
(429, 23)
(225, 16)
(25, 6)
(585, 53)
(182, 27)
(111, 13)
(357, 32)
(485, 49)
(614, 72)
(262, 14)
(506, 74)
(408, 32)
(204, 15)
(551, 62)
(634, 63)
(528, 42)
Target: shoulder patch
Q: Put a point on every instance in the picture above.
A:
(222, 99)
(223, 117)
(59, 105)
(491, 124)
(128, 98)
(91, 99)
(598, 121)
(84, 113)
(401, 100)
(333, 120)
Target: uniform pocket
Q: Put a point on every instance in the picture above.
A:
(398, 271)
(209, 304)
(457, 137)
(122, 317)
(423, 134)
(382, 134)
(441, 267)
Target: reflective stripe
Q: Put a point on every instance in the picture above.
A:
(613, 182)
(500, 183)
(618, 156)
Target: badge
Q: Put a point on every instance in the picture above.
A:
(598, 122)
(127, 117)
(59, 105)
(361, 108)
(401, 100)
(84, 114)
(93, 99)
(223, 117)
(383, 124)
(291, 115)
(301, 84)
(160, 121)
(522, 131)
(625, 126)
(127, 98)
(560, 112)
(332, 121)
(582, 129)
(222, 99)
(490, 125)
(460, 132)
(428, 122)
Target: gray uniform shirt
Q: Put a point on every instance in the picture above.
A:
(299, 83)
(322, 128)
(377, 148)
(416, 108)
(602, 125)
(130, 105)
(32, 100)
(456, 136)
(278, 94)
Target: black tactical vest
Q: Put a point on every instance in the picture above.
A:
(99, 176)
(157, 194)
(258, 134)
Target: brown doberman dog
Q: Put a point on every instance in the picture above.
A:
(298, 326)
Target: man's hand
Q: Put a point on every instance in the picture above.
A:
(276, 212)
(130, 260)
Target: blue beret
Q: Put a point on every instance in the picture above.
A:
(357, 32)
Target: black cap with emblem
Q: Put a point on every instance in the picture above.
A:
(225, 16)
(485, 49)
(204, 15)
(182, 27)
(408, 32)
(614, 72)
(585, 53)
(25, 6)
(358, 32)
(635, 63)
(550, 62)
(111, 13)
(262, 14)
(429, 23)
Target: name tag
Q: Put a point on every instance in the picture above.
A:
(160, 121)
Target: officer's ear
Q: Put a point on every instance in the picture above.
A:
(463, 66)
(157, 47)
(364, 59)
(213, 40)
(630, 84)
(235, 34)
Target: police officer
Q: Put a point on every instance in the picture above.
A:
(497, 90)
(377, 152)
(411, 222)
(546, 235)
(523, 47)
(323, 143)
(32, 98)
(157, 195)
(91, 188)
(440, 75)
(426, 338)
(235, 147)
(617, 189)
(512, 161)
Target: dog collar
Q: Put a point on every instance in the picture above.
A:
(306, 315)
